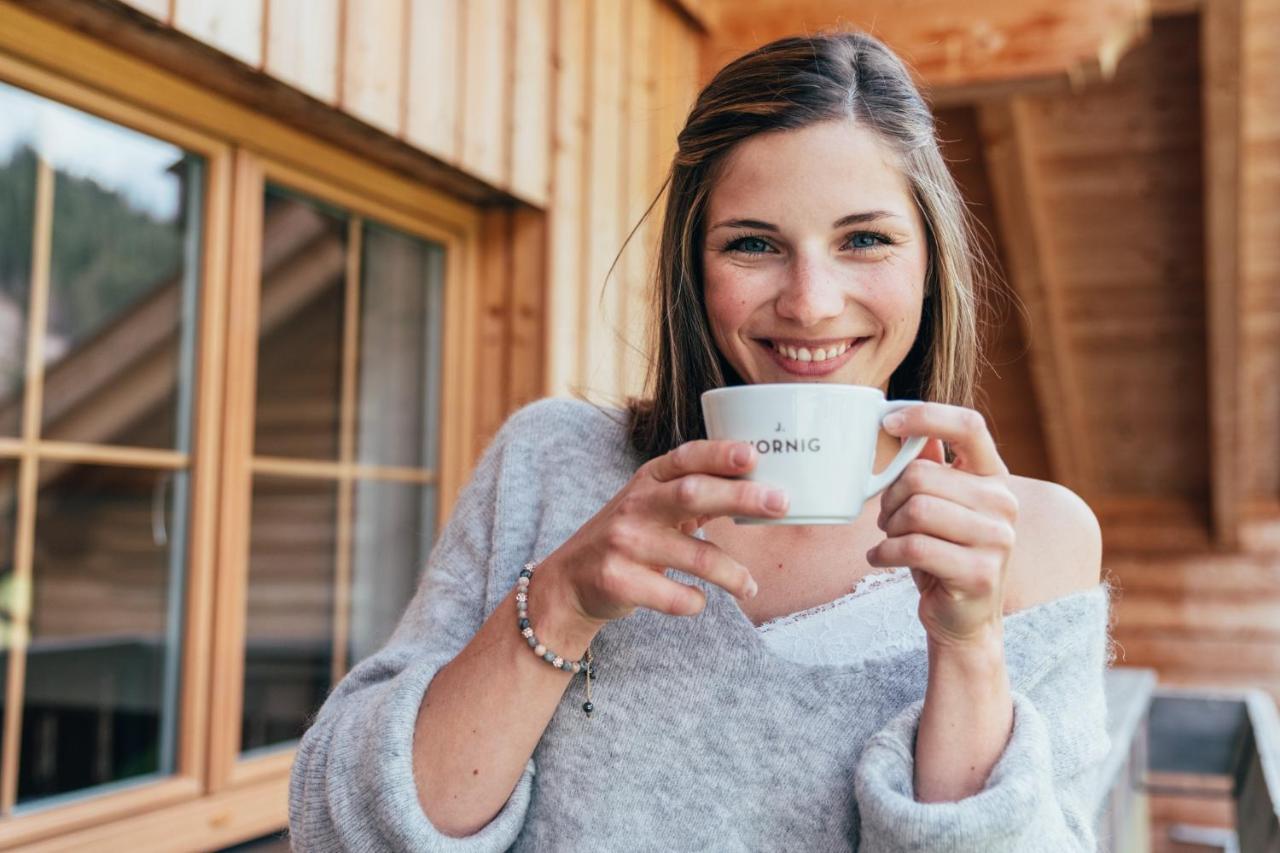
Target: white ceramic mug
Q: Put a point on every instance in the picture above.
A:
(815, 441)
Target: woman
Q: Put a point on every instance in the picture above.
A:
(812, 233)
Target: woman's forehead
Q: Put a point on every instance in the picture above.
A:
(822, 169)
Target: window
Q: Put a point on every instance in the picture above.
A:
(230, 421)
(345, 443)
(99, 264)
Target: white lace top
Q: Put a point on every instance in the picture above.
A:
(879, 612)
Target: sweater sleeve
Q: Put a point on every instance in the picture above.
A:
(352, 786)
(1040, 794)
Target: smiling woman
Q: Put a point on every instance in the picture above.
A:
(812, 234)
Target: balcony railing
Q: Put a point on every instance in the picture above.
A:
(1190, 743)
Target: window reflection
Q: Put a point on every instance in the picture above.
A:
(112, 218)
(100, 693)
(304, 259)
(289, 625)
(17, 208)
(8, 542)
(305, 539)
(401, 299)
(125, 253)
(394, 530)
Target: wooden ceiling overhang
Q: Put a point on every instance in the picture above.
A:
(959, 49)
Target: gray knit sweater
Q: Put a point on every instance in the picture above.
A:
(702, 738)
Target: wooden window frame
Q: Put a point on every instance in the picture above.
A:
(253, 173)
(215, 797)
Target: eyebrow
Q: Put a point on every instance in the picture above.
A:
(851, 219)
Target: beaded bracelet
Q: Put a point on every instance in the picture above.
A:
(586, 664)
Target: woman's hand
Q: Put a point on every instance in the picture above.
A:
(952, 524)
(616, 561)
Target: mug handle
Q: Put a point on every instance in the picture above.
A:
(910, 450)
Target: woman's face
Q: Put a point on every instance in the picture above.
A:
(814, 258)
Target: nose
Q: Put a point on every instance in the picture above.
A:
(811, 294)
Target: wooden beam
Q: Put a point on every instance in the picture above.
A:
(1221, 46)
(1022, 221)
(968, 44)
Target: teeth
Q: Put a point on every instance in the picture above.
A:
(815, 354)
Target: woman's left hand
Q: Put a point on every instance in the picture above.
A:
(952, 524)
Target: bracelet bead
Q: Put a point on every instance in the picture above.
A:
(586, 665)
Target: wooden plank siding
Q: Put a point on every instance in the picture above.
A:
(302, 46)
(625, 76)
(531, 101)
(485, 101)
(373, 49)
(602, 216)
(234, 28)
(409, 68)
(569, 136)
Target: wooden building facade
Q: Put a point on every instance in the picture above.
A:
(351, 236)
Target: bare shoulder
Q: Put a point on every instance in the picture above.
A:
(1058, 549)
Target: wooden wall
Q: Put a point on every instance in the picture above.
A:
(1098, 199)
(1098, 205)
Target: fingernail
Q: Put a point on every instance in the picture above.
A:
(894, 421)
(741, 455)
(776, 500)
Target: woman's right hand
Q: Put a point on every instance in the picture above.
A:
(616, 561)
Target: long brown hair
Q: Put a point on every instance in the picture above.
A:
(788, 84)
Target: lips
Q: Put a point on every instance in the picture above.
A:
(810, 368)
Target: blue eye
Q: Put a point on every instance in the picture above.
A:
(868, 240)
(736, 245)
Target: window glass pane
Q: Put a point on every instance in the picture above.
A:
(289, 626)
(8, 541)
(100, 697)
(124, 257)
(401, 298)
(394, 530)
(17, 212)
(304, 259)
